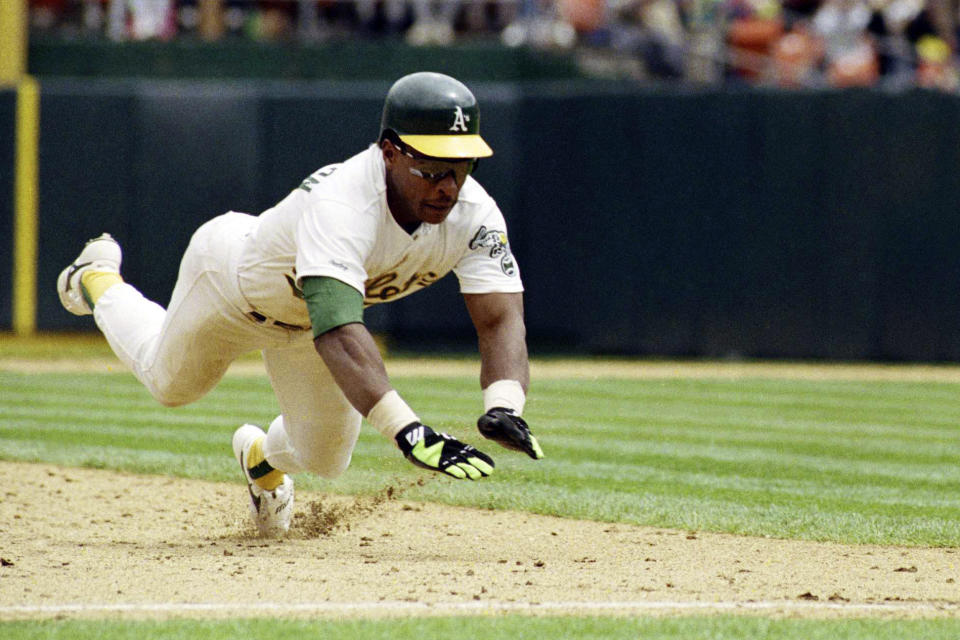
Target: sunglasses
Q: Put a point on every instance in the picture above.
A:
(435, 170)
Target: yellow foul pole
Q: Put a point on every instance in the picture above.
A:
(25, 208)
(13, 41)
(13, 73)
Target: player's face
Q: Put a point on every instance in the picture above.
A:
(419, 188)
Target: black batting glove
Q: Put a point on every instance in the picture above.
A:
(435, 451)
(509, 430)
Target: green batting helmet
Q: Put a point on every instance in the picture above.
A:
(436, 115)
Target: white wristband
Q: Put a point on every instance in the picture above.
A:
(504, 393)
(391, 414)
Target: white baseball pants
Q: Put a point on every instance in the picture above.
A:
(181, 353)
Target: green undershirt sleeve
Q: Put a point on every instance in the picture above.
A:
(331, 303)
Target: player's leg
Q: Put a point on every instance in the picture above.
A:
(179, 353)
(316, 432)
(318, 428)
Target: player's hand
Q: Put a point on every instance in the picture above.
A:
(510, 430)
(426, 448)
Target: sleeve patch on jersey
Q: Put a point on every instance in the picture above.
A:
(495, 241)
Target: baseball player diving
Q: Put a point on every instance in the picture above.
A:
(293, 282)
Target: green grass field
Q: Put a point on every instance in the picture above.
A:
(843, 461)
(513, 628)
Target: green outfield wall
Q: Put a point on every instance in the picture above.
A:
(693, 223)
(336, 59)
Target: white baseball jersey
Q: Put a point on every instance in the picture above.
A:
(337, 224)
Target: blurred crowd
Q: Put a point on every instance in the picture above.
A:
(784, 43)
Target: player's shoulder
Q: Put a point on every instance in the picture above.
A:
(355, 171)
(473, 201)
(353, 182)
(473, 193)
(474, 205)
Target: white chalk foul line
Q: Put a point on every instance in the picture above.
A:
(473, 607)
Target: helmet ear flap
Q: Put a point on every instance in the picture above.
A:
(391, 135)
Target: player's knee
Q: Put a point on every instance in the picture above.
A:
(170, 396)
(324, 449)
(327, 466)
(171, 401)
(175, 390)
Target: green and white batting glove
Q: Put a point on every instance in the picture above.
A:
(508, 429)
(435, 451)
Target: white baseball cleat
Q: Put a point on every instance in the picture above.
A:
(271, 510)
(100, 254)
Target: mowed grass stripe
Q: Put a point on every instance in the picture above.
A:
(644, 477)
(152, 461)
(140, 417)
(818, 403)
(685, 424)
(760, 461)
(219, 404)
(867, 393)
(108, 434)
(629, 414)
(859, 462)
(630, 407)
(76, 398)
(802, 441)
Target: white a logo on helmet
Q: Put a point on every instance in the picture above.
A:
(459, 120)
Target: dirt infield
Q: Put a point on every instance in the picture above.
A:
(90, 543)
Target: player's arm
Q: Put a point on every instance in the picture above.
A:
(352, 356)
(504, 369)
